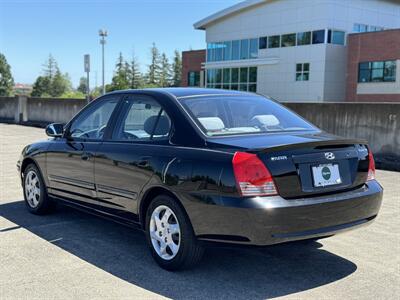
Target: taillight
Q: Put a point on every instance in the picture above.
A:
(252, 176)
(371, 166)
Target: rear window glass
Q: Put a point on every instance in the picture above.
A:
(230, 115)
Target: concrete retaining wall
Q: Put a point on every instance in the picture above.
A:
(379, 123)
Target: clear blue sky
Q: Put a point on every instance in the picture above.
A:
(68, 29)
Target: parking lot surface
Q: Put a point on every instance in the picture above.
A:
(70, 254)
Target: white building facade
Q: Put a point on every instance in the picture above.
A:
(290, 50)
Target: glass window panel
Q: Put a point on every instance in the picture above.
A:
(378, 65)
(364, 75)
(244, 49)
(235, 75)
(218, 86)
(208, 52)
(390, 71)
(243, 74)
(364, 65)
(212, 52)
(299, 76)
(253, 88)
(218, 51)
(235, 50)
(356, 27)
(227, 76)
(306, 76)
(226, 87)
(377, 75)
(234, 86)
(304, 38)
(306, 67)
(228, 50)
(209, 76)
(253, 48)
(288, 40)
(337, 37)
(243, 87)
(299, 67)
(274, 41)
(318, 37)
(263, 42)
(218, 75)
(363, 28)
(253, 74)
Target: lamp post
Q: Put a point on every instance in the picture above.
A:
(103, 34)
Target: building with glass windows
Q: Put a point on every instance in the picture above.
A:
(289, 50)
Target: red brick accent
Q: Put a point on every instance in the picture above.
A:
(191, 61)
(370, 46)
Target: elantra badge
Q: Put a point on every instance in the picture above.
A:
(329, 155)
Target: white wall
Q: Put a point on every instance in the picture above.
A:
(327, 62)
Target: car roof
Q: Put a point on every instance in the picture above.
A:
(181, 92)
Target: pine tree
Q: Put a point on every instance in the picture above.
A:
(177, 69)
(6, 79)
(53, 82)
(120, 80)
(153, 75)
(135, 76)
(165, 73)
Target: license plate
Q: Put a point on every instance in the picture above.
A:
(327, 174)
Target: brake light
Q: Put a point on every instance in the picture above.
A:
(371, 166)
(252, 176)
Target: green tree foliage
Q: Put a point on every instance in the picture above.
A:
(121, 78)
(165, 72)
(154, 68)
(136, 77)
(177, 69)
(82, 87)
(6, 79)
(53, 82)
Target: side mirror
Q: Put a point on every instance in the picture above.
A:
(55, 130)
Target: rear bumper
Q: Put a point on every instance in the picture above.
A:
(271, 220)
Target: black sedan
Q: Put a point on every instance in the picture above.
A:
(192, 166)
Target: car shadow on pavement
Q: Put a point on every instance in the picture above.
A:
(223, 273)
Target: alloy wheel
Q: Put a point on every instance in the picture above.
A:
(32, 189)
(165, 232)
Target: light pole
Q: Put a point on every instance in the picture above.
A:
(103, 34)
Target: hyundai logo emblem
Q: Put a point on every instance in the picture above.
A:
(329, 155)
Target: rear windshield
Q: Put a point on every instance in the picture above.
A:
(229, 115)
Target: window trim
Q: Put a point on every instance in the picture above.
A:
(119, 119)
(370, 70)
(90, 106)
(302, 72)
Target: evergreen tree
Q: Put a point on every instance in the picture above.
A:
(136, 78)
(177, 69)
(165, 73)
(82, 87)
(53, 82)
(41, 87)
(153, 74)
(120, 80)
(6, 79)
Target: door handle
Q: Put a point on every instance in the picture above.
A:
(86, 156)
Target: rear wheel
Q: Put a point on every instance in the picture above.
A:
(170, 235)
(35, 191)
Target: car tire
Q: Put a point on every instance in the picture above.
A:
(35, 191)
(171, 239)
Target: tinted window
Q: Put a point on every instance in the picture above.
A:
(92, 122)
(304, 38)
(318, 37)
(227, 50)
(263, 42)
(244, 49)
(230, 115)
(142, 119)
(253, 48)
(288, 40)
(235, 49)
(274, 41)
